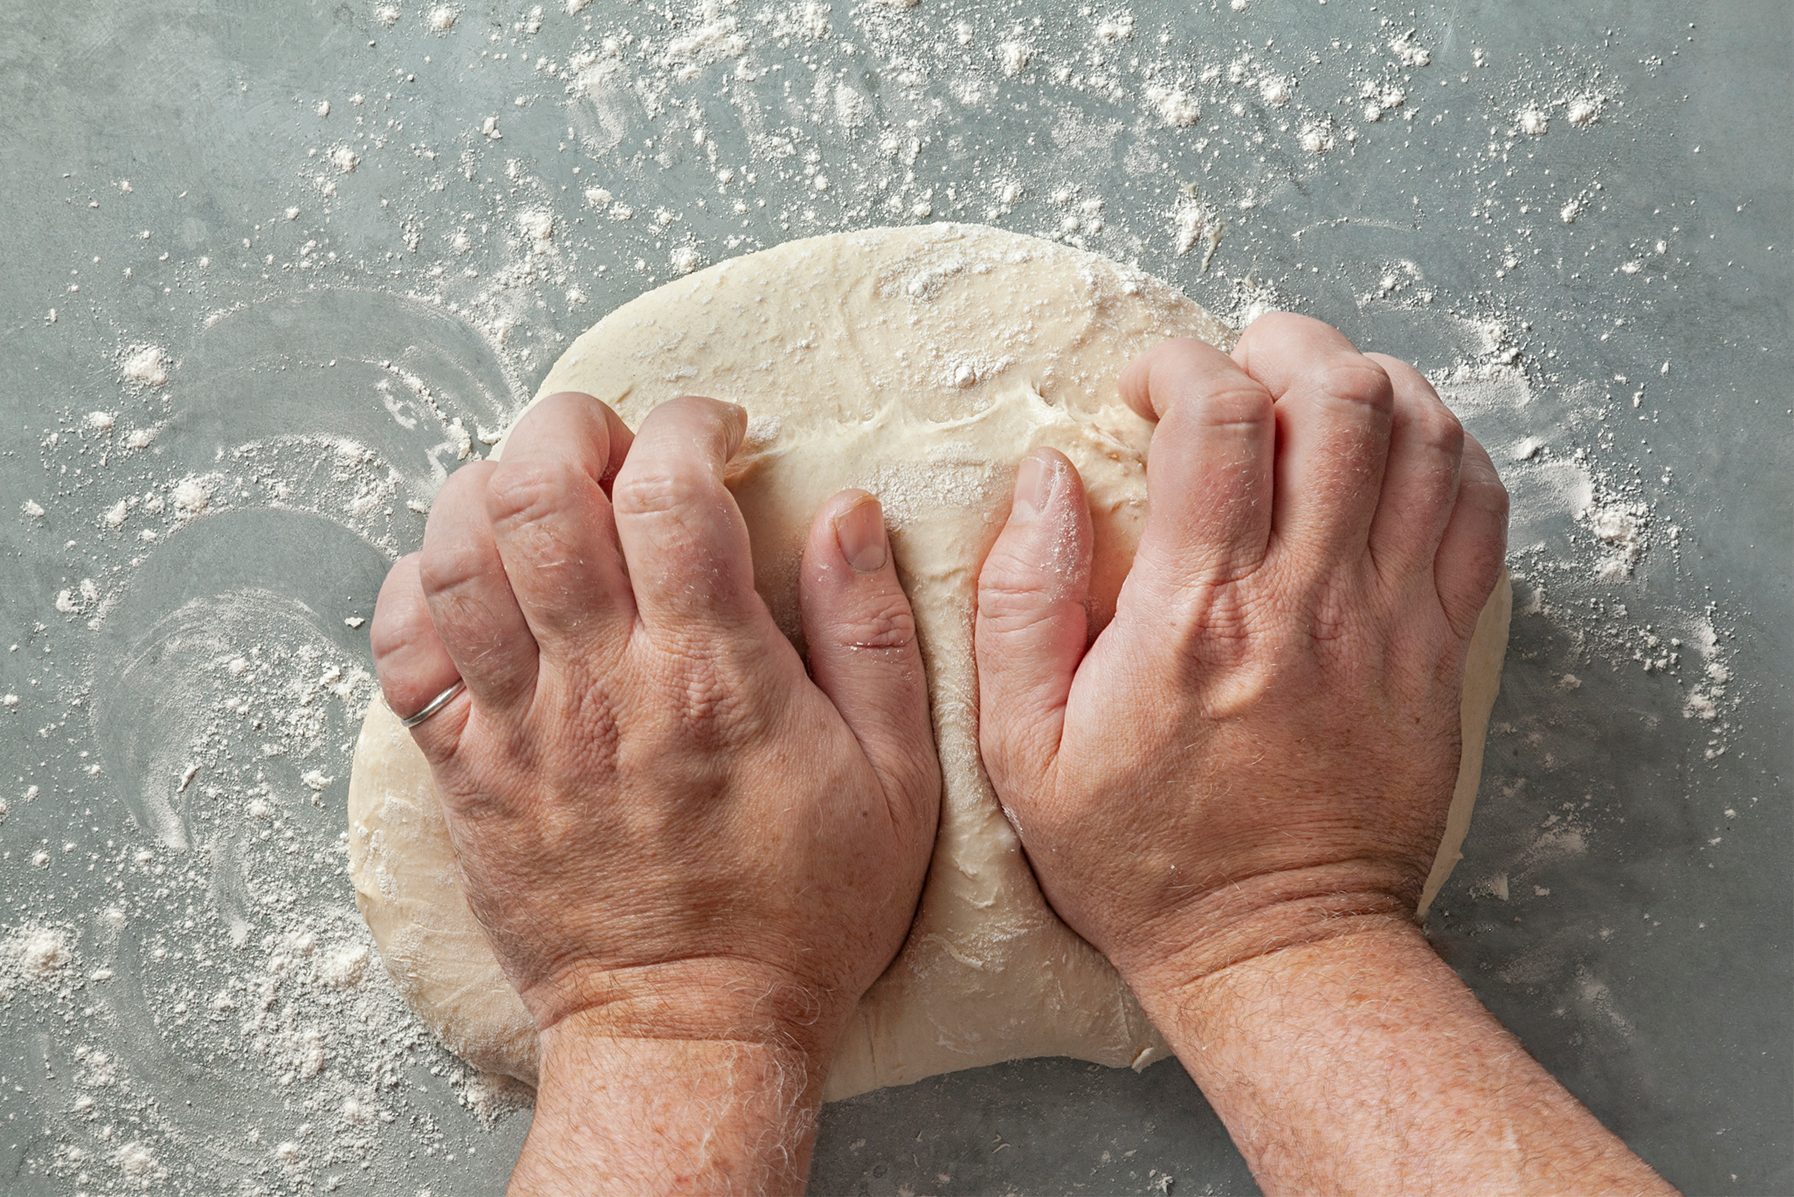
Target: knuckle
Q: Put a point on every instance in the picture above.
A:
(450, 566)
(711, 426)
(1235, 403)
(577, 403)
(526, 492)
(1013, 597)
(888, 625)
(653, 491)
(397, 629)
(1177, 354)
(1210, 621)
(600, 734)
(1273, 325)
(1404, 375)
(462, 487)
(1500, 502)
(1332, 617)
(1439, 429)
(1487, 493)
(1358, 381)
(1184, 346)
(700, 699)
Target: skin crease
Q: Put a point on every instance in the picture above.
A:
(693, 857)
(690, 857)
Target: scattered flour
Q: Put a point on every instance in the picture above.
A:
(1015, 57)
(1317, 137)
(679, 136)
(1583, 111)
(1175, 106)
(35, 953)
(191, 496)
(1409, 52)
(714, 37)
(146, 366)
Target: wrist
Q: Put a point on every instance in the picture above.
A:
(1346, 972)
(1260, 921)
(689, 1007)
(632, 1112)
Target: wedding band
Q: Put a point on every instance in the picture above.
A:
(435, 704)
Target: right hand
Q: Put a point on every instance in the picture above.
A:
(1260, 749)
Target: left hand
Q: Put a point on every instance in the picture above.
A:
(668, 829)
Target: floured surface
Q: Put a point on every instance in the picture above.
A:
(237, 373)
(919, 364)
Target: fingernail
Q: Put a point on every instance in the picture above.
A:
(1034, 480)
(860, 531)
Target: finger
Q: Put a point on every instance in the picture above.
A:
(410, 660)
(861, 636)
(1032, 626)
(553, 525)
(1209, 469)
(1420, 482)
(574, 425)
(1334, 411)
(683, 537)
(470, 597)
(1474, 547)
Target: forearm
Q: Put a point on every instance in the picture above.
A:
(1360, 1063)
(648, 1116)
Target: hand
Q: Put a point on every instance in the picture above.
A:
(1236, 793)
(666, 827)
(1262, 744)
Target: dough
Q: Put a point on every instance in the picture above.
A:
(920, 364)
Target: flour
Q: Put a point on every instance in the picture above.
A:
(1014, 57)
(1409, 52)
(1525, 449)
(35, 954)
(145, 366)
(1622, 527)
(1196, 223)
(191, 496)
(715, 36)
(1584, 111)
(1175, 106)
(215, 495)
(1118, 27)
(538, 225)
(1276, 90)
(1317, 137)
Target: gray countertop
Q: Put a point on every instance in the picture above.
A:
(269, 270)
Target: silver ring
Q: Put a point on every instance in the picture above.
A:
(435, 704)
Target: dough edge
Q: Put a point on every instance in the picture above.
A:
(392, 814)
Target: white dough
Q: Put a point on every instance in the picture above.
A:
(920, 364)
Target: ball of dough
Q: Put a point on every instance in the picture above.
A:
(919, 364)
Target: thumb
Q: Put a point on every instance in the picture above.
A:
(1032, 624)
(861, 636)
